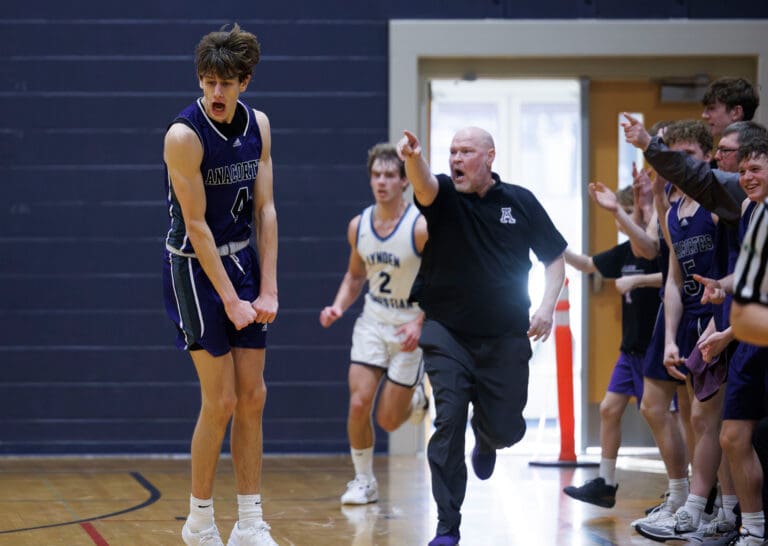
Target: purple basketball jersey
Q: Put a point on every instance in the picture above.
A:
(229, 170)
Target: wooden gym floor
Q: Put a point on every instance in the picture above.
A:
(143, 502)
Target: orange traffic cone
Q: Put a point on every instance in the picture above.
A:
(564, 359)
(564, 366)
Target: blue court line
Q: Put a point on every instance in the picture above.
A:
(154, 496)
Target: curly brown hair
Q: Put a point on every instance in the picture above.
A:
(689, 130)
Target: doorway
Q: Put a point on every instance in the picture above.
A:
(610, 161)
(536, 125)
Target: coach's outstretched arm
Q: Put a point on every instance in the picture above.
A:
(424, 183)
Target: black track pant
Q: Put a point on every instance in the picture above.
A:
(492, 374)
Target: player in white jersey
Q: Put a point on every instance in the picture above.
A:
(386, 242)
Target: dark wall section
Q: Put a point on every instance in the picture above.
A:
(87, 91)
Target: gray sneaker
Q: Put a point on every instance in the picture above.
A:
(655, 506)
(719, 526)
(681, 523)
(661, 512)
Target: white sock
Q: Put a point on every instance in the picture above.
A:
(678, 492)
(729, 503)
(362, 459)
(608, 471)
(248, 510)
(754, 522)
(417, 399)
(200, 514)
(695, 505)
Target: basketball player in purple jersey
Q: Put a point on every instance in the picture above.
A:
(660, 391)
(220, 292)
(717, 190)
(691, 232)
(745, 390)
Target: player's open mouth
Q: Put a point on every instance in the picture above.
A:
(458, 175)
(218, 107)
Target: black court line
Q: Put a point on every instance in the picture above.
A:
(154, 496)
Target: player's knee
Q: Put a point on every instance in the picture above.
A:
(388, 421)
(610, 412)
(252, 399)
(360, 406)
(726, 439)
(221, 407)
(732, 439)
(701, 421)
(652, 412)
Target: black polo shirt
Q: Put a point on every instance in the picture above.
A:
(639, 306)
(474, 269)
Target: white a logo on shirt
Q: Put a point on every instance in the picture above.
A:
(237, 143)
(506, 216)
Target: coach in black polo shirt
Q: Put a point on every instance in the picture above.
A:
(473, 288)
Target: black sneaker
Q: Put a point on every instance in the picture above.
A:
(594, 492)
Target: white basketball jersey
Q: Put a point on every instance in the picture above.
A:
(391, 265)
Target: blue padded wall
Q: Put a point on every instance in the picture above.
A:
(87, 89)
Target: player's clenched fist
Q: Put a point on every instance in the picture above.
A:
(329, 315)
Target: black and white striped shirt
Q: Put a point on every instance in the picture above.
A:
(750, 279)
